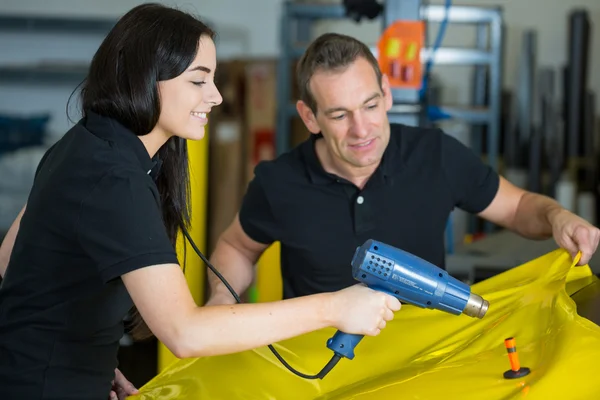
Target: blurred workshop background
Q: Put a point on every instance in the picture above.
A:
(517, 81)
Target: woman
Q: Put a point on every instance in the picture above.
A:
(97, 235)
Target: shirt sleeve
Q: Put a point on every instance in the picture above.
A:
(256, 216)
(43, 160)
(473, 184)
(120, 225)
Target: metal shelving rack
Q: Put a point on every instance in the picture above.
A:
(486, 58)
(50, 72)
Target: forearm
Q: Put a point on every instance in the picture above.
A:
(5, 250)
(161, 295)
(8, 243)
(534, 215)
(236, 267)
(226, 329)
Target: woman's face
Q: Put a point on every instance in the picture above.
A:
(187, 99)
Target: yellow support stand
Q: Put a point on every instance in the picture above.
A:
(267, 285)
(194, 270)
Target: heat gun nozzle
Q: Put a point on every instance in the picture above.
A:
(476, 306)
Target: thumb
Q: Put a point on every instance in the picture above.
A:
(567, 243)
(131, 389)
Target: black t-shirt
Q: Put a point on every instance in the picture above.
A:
(320, 218)
(93, 215)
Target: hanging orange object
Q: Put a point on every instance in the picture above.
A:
(399, 53)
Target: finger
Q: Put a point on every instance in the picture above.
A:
(121, 393)
(124, 391)
(585, 258)
(393, 303)
(119, 377)
(382, 324)
(113, 395)
(123, 383)
(567, 243)
(130, 389)
(583, 240)
(388, 315)
(595, 238)
(375, 332)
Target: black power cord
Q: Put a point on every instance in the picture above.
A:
(326, 369)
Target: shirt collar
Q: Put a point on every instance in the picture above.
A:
(113, 131)
(315, 170)
(318, 175)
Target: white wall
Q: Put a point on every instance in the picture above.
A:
(244, 24)
(547, 17)
(241, 32)
(250, 28)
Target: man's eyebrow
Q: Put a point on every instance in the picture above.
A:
(337, 109)
(200, 68)
(373, 97)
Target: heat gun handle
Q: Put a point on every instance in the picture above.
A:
(343, 344)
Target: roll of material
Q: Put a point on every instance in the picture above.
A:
(590, 174)
(552, 128)
(586, 206)
(534, 180)
(577, 79)
(526, 96)
(566, 194)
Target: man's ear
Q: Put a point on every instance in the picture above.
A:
(308, 117)
(387, 92)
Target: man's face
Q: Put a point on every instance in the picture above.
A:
(351, 114)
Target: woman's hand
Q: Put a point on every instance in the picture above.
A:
(361, 310)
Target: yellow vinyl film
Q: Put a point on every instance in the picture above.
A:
(426, 354)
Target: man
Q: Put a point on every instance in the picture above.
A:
(358, 177)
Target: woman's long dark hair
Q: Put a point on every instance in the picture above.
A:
(150, 43)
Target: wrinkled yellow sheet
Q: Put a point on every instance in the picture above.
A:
(425, 354)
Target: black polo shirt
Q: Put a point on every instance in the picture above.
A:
(320, 218)
(93, 214)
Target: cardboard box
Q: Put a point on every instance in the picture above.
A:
(226, 172)
(261, 112)
(242, 133)
(226, 175)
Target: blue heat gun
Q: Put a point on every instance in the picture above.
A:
(410, 279)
